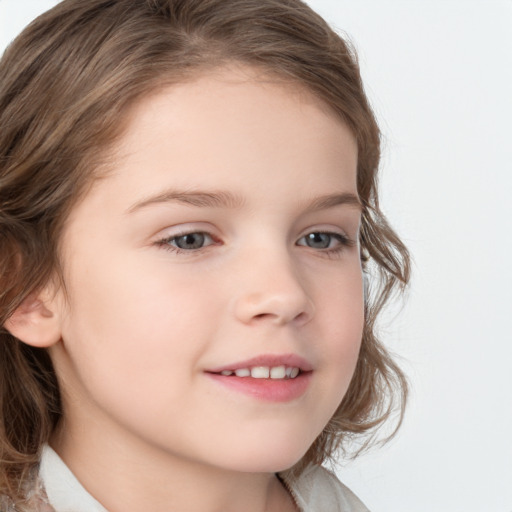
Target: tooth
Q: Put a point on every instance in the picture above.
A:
(294, 373)
(288, 371)
(260, 372)
(226, 372)
(243, 372)
(278, 372)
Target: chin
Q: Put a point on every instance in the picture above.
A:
(267, 459)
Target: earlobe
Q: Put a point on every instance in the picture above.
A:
(35, 322)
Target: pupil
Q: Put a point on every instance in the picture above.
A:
(318, 240)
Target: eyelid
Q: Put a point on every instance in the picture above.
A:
(181, 229)
(329, 229)
(342, 237)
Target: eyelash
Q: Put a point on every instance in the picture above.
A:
(343, 242)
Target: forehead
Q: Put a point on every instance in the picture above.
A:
(232, 129)
(236, 109)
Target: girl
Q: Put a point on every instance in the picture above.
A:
(188, 203)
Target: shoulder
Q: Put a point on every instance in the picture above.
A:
(318, 490)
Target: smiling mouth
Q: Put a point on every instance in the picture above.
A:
(281, 372)
(268, 378)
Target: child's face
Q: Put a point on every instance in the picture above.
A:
(218, 242)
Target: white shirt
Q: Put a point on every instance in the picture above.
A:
(316, 490)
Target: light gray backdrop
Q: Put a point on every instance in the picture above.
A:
(439, 74)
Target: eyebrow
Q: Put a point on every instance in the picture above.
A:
(332, 200)
(224, 199)
(214, 199)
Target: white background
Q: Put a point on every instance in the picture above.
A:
(439, 75)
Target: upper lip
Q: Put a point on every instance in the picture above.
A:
(270, 360)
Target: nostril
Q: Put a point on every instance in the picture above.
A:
(302, 316)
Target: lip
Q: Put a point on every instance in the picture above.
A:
(267, 390)
(291, 360)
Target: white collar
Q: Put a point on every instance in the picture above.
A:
(65, 493)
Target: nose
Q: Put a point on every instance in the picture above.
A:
(271, 290)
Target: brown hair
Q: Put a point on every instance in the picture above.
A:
(65, 87)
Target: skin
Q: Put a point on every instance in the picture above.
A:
(142, 323)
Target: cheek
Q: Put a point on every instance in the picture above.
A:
(124, 296)
(132, 346)
(340, 301)
(342, 319)
(127, 325)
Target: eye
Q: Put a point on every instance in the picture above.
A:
(324, 241)
(187, 241)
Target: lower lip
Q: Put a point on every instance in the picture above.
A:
(269, 390)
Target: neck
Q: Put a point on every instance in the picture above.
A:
(125, 477)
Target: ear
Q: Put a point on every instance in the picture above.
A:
(36, 320)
